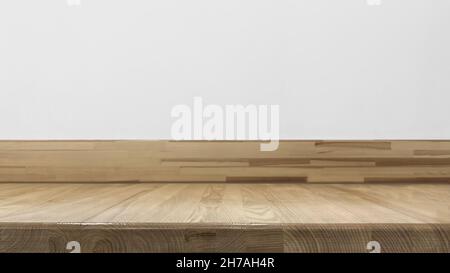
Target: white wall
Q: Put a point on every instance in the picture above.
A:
(115, 68)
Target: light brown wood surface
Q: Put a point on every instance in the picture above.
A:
(185, 217)
(222, 161)
(224, 203)
(393, 192)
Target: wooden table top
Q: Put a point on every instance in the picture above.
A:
(224, 204)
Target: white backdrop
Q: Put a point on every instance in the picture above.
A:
(115, 68)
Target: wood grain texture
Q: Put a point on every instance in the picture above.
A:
(226, 161)
(224, 203)
(200, 217)
(147, 238)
